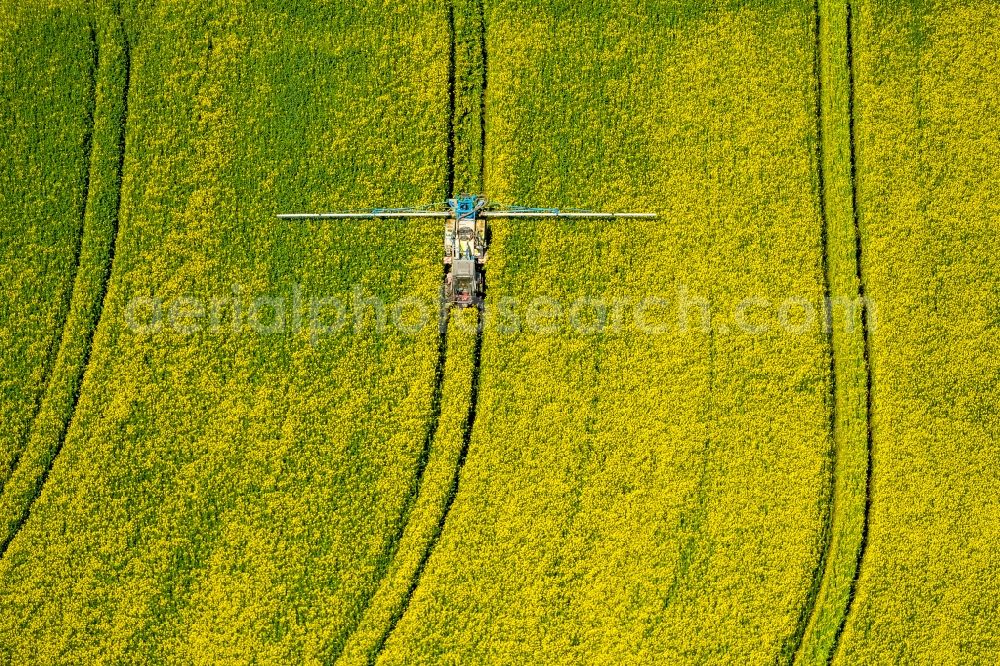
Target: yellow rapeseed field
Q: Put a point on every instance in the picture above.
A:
(46, 99)
(229, 439)
(928, 147)
(237, 471)
(641, 493)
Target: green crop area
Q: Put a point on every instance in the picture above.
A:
(758, 428)
(238, 466)
(46, 150)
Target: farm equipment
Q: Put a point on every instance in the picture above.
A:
(466, 236)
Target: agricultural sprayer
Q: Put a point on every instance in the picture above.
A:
(466, 236)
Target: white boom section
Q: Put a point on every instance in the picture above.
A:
(500, 213)
(362, 216)
(439, 214)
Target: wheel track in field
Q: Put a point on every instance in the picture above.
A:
(693, 520)
(100, 302)
(434, 420)
(793, 645)
(63, 315)
(392, 546)
(479, 136)
(392, 551)
(470, 418)
(865, 332)
(825, 603)
(467, 429)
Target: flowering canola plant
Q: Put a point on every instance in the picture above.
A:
(46, 97)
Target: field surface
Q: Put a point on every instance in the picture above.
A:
(615, 478)
(928, 150)
(43, 190)
(761, 428)
(233, 479)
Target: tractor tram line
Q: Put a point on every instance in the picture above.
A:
(844, 535)
(67, 299)
(865, 333)
(793, 645)
(465, 219)
(464, 205)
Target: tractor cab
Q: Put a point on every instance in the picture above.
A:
(463, 284)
